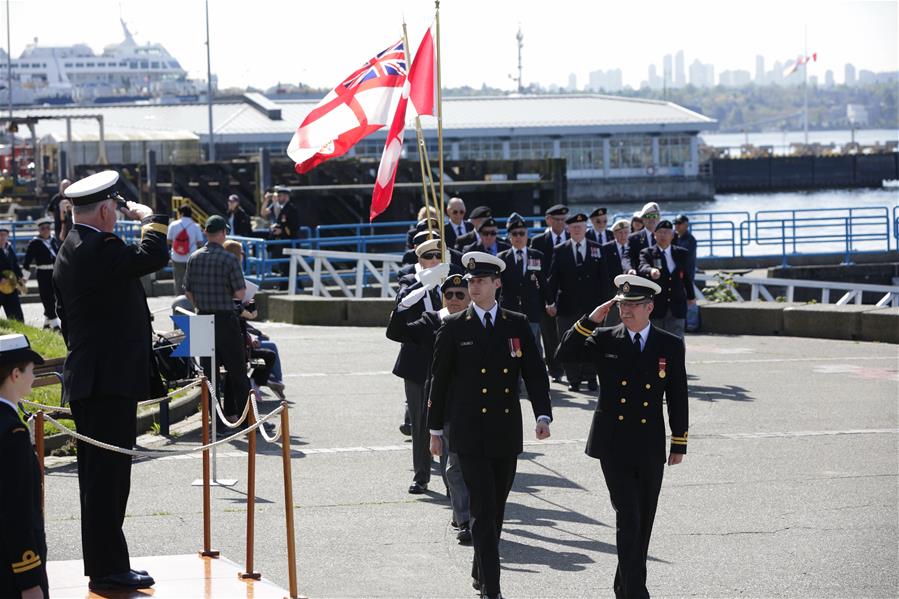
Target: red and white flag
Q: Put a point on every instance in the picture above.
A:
(800, 60)
(420, 88)
(359, 106)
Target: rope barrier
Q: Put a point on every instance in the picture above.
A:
(277, 435)
(151, 452)
(224, 419)
(140, 404)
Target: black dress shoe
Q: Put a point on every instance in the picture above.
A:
(464, 536)
(574, 387)
(592, 386)
(476, 584)
(406, 429)
(417, 488)
(141, 572)
(123, 580)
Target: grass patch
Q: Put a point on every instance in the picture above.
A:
(49, 344)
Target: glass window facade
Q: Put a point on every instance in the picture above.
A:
(530, 148)
(582, 153)
(674, 150)
(480, 148)
(630, 151)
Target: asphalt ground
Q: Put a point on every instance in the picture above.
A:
(789, 488)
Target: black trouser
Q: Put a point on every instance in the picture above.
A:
(634, 491)
(104, 481)
(230, 352)
(550, 343)
(12, 306)
(575, 372)
(261, 374)
(421, 436)
(489, 481)
(45, 289)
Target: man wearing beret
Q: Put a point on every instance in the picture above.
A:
(479, 355)
(524, 278)
(109, 365)
(476, 218)
(640, 368)
(488, 241)
(598, 231)
(666, 264)
(554, 234)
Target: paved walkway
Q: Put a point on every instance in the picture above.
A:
(789, 487)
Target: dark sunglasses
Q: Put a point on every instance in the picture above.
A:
(459, 295)
(488, 233)
(518, 233)
(430, 255)
(457, 212)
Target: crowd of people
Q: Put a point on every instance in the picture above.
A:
(477, 316)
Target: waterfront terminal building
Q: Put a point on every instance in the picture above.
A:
(614, 147)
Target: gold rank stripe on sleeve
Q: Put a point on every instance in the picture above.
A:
(679, 440)
(30, 561)
(156, 227)
(582, 329)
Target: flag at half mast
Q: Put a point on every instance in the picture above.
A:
(360, 105)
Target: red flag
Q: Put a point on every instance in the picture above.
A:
(421, 88)
(358, 106)
(423, 76)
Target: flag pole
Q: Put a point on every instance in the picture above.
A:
(421, 164)
(439, 118)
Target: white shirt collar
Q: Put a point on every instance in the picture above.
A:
(524, 252)
(480, 312)
(644, 334)
(10, 404)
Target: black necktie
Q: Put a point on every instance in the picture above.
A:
(488, 322)
(637, 343)
(577, 252)
(461, 230)
(558, 239)
(519, 259)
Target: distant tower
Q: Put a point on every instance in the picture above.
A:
(667, 79)
(849, 76)
(759, 69)
(679, 75)
(520, 37)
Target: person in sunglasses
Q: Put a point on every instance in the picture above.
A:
(524, 279)
(456, 226)
(476, 219)
(421, 332)
(488, 241)
(643, 238)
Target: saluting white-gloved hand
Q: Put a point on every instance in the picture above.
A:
(137, 211)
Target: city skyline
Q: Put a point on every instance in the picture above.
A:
(280, 42)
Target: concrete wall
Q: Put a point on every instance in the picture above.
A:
(299, 309)
(823, 321)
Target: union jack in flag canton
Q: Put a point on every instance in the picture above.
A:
(360, 105)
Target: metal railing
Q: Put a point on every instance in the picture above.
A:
(328, 262)
(847, 292)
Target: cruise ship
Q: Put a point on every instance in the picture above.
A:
(124, 72)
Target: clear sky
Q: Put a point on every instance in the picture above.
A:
(262, 42)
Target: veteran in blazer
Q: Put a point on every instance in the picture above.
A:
(668, 265)
(479, 355)
(640, 368)
(524, 287)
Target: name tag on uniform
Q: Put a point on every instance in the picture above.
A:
(466, 343)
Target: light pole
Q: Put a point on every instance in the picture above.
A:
(211, 153)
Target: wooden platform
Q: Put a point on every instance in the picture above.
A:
(177, 576)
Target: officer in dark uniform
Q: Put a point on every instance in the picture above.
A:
(23, 545)
(9, 265)
(575, 284)
(614, 254)
(488, 241)
(109, 366)
(545, 242)
(599, 231)
(41, 253)
(289, 216)
(667, 265)
(524, 278)
(478, 357)
(640, 367)
(476, 218)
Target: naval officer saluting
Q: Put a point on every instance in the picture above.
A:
(478, 356)
(108, 368)
(639, 366)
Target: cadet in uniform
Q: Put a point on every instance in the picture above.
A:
(545, 242)
(479, 355)
(11, 303)
(639, 367)
(666, 264)
(524, 278)
(421, 332)
(23, 545)
(109, 365)
(41, 253)
(575, 286)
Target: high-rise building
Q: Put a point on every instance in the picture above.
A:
(828, 78)
(710, 74)
(776, 74)
(679, 76)
(759, 69)
(572, 82)
(610, 81)
(666, 71)
(849, 75)
(702, 75)
(653, 80)
(813, 80)
(741, 78)
(865, 77)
